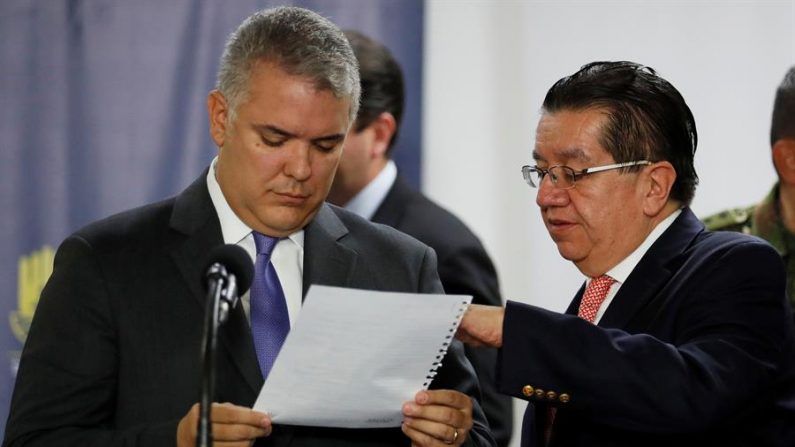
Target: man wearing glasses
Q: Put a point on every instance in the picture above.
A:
(679, 336)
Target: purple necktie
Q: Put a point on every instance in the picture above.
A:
(270, 321)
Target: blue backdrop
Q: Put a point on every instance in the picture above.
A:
(102, 108)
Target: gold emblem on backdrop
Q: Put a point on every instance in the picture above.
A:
(33, 272)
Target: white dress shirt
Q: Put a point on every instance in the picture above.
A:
(622, 270)
(366, 202)
(287, 257)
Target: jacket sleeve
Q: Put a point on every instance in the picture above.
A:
(730, 338)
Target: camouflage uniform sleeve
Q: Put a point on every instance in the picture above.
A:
(736, 219)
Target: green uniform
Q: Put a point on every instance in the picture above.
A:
(762, 220)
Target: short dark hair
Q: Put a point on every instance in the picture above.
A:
(647, 118)
(382, 82)
(783, 123)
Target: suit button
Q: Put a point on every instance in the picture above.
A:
(527, 390)
(564, 397)
(539, 393)
(551, 395)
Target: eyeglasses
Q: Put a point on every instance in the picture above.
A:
(564, 177)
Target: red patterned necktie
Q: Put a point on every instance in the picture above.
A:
(594, 296)
(592, 299)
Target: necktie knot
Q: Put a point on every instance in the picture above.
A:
(602, 281)
(594, 296)
(264, 243)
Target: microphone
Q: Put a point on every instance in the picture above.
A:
(227, 274)
(231, 266)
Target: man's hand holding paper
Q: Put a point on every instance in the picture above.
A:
(438, 416)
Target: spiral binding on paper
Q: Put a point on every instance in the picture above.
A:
(434, 369)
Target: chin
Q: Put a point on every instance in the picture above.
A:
(293, 219)
(570, 253)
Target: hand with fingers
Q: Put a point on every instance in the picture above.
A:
(232, 426)
(438, 418)
(482, 326)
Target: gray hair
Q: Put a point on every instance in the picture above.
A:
(301, 42)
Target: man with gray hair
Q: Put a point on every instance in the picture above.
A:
(112, 355)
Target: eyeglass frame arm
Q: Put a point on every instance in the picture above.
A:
(576, 174)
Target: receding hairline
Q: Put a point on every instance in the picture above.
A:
(275, 62)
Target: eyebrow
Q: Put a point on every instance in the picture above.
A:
(334, 138)
(283, 133)
(273, 129)
(573, 153)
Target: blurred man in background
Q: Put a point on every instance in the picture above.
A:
(773, 219)
(368, 183)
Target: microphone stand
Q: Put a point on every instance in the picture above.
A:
(221, 299)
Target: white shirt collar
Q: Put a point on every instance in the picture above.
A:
(367, 201)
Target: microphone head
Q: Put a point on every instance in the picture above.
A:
(236, 261)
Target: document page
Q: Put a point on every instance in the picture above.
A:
(355, 356)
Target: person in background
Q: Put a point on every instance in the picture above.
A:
(113, 355)
(773, 219)
(679, 335)
(368, 183)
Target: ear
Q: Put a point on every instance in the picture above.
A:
(784, 159)
(384, 126)
(659, 179)
(218, 112)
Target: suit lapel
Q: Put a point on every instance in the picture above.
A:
(652, 272)
(391, 210)
(195, 217)
(327, 260)
(574, 306)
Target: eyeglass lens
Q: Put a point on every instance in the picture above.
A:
(562, 176)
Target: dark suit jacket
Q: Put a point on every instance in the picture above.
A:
(695, 349)
(113, 355)
(464, 268)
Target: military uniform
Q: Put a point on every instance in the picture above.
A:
(762, 220)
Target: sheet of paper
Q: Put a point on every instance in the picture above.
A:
(355, 356)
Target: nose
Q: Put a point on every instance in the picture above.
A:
(298, 164)
(551, 196)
